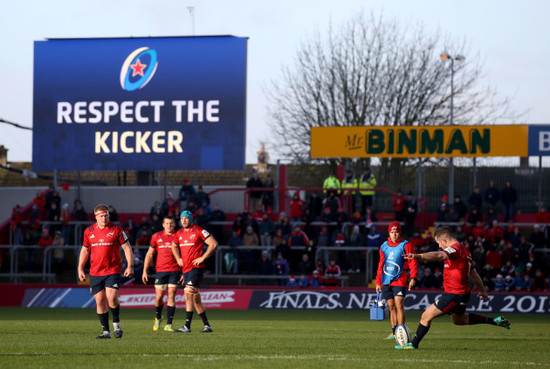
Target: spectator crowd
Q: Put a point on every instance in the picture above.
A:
(342, 216)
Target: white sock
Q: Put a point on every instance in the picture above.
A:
(116, 326)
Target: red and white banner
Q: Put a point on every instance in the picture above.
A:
(211, 299)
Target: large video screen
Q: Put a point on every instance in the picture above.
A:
(176, 103)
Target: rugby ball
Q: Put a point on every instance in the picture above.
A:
(402, 335)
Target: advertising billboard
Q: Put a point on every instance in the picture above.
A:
(539, 140)
(140, 104)
(420, 141)
(270, 299)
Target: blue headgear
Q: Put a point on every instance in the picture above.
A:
(187, 214)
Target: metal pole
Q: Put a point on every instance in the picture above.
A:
(475, 173)
(420, 179)
(451, 194)
(191, 10)
(540, 183)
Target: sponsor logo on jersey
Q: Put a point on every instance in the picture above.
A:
(92, 236)
(450, 250)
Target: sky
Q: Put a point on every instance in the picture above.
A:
(509, 36)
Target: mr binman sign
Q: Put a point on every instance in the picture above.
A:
(433, 141)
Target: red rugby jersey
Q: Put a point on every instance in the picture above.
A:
(162, 243)
(456, 271)
(191, 244)
(104, 245)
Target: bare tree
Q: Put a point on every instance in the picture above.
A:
(372, 72)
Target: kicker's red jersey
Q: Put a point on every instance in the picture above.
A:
(162, 243)
(191, 244)
(456, 271)
(104, 246)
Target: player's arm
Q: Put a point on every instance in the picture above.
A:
(478, 283)
(129, 259)
(428, 256)
(413, 266)
(147, 263)
(379, 271)
(212, 246)
(82, 259)
(176, 253)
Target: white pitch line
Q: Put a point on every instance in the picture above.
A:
(295, 357)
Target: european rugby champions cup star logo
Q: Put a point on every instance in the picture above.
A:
(138, 69)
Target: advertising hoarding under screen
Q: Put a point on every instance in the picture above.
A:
(176, 103)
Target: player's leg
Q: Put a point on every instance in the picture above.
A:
(428, 315)
(171, 303)
(445, 305)
(189, 290)
(400, 309)
(196, 276)
(387, 294)
(202, 313)
(473, 319)
(160, 290)
(100, 302)
(97, 289)
(188, 293)
(111, 291)
(102, 314)
(393, 317)
(161, 284)
(460, 317)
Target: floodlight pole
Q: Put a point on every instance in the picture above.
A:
(191, 10)
(460, 58)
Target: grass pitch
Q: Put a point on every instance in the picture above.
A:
(65, 338)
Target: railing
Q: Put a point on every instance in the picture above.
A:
(343, 279)
(370, 270)
(15, 276)
(502, 224)
(77, 231)
(46, 275)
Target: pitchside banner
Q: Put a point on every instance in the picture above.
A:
(140, 104)
(430, 141)
(416, 301)
(286, 299)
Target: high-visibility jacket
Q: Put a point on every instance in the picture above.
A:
(366, 184)
(331, 182)
(351, 184)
